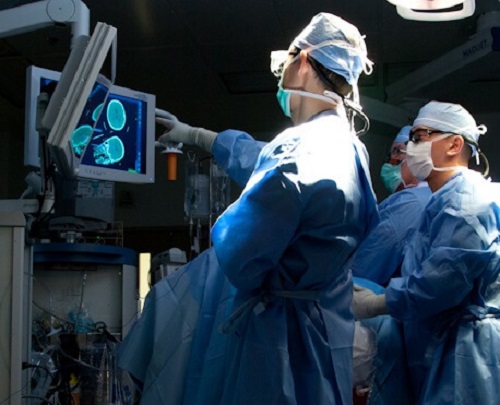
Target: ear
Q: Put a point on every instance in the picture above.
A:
(304, 63)
(456, 146)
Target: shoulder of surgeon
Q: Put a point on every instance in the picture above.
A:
(327, 131)
(409, 199)
(467, 192)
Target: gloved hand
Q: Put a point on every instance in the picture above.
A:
(176, 131)
(367, 304)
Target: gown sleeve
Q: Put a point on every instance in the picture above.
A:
(251, 236)
(442, 269)
(236, 152)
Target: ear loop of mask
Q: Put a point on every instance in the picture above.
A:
(479, 153)
(446, 168)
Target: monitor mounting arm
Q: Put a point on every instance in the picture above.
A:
(45, 13)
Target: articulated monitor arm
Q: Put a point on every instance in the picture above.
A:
(45, 13)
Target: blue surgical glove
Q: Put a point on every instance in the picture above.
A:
(176, 131)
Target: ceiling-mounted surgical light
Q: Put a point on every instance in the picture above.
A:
(434, 10)
(425, 4)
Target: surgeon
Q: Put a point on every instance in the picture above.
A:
(283, 327)
(448, 297)
(380, 255)
(379, 258)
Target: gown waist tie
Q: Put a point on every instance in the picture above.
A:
(258, 304)
(471, 313)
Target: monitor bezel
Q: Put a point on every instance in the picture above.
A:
(34, 76)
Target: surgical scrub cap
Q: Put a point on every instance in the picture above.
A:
(337, 45)
(403, 135)
(449, 117)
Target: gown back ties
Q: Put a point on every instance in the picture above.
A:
(442, 331)
(259, 303)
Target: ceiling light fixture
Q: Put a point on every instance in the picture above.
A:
(434, 10)
(425, 4)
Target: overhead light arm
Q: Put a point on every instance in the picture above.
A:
(46, 13)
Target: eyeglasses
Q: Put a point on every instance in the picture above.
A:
(395, 156)
(280, 58)
(423, 134)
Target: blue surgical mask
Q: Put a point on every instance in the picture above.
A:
(391, 176)
(283, 97)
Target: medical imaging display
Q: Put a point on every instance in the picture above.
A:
(113, 139)
(116, 131)
(110, 133)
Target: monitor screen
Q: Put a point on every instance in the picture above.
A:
(114, 139)
(122, 143)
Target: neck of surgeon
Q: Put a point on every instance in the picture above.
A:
(309, 94)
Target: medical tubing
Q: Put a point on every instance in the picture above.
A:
(354, 109)
(486, 171)
(258, 304)
(480, 155)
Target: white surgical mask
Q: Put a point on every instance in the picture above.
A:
(419, 158)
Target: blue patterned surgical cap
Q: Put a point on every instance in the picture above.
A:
(337, 45)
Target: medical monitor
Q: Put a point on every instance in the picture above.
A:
(113, 141)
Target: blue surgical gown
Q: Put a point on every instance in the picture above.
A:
(378, 258)
(448, 297)
(380, 255)
(282, 330)
(285, 245)
(165, 349)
